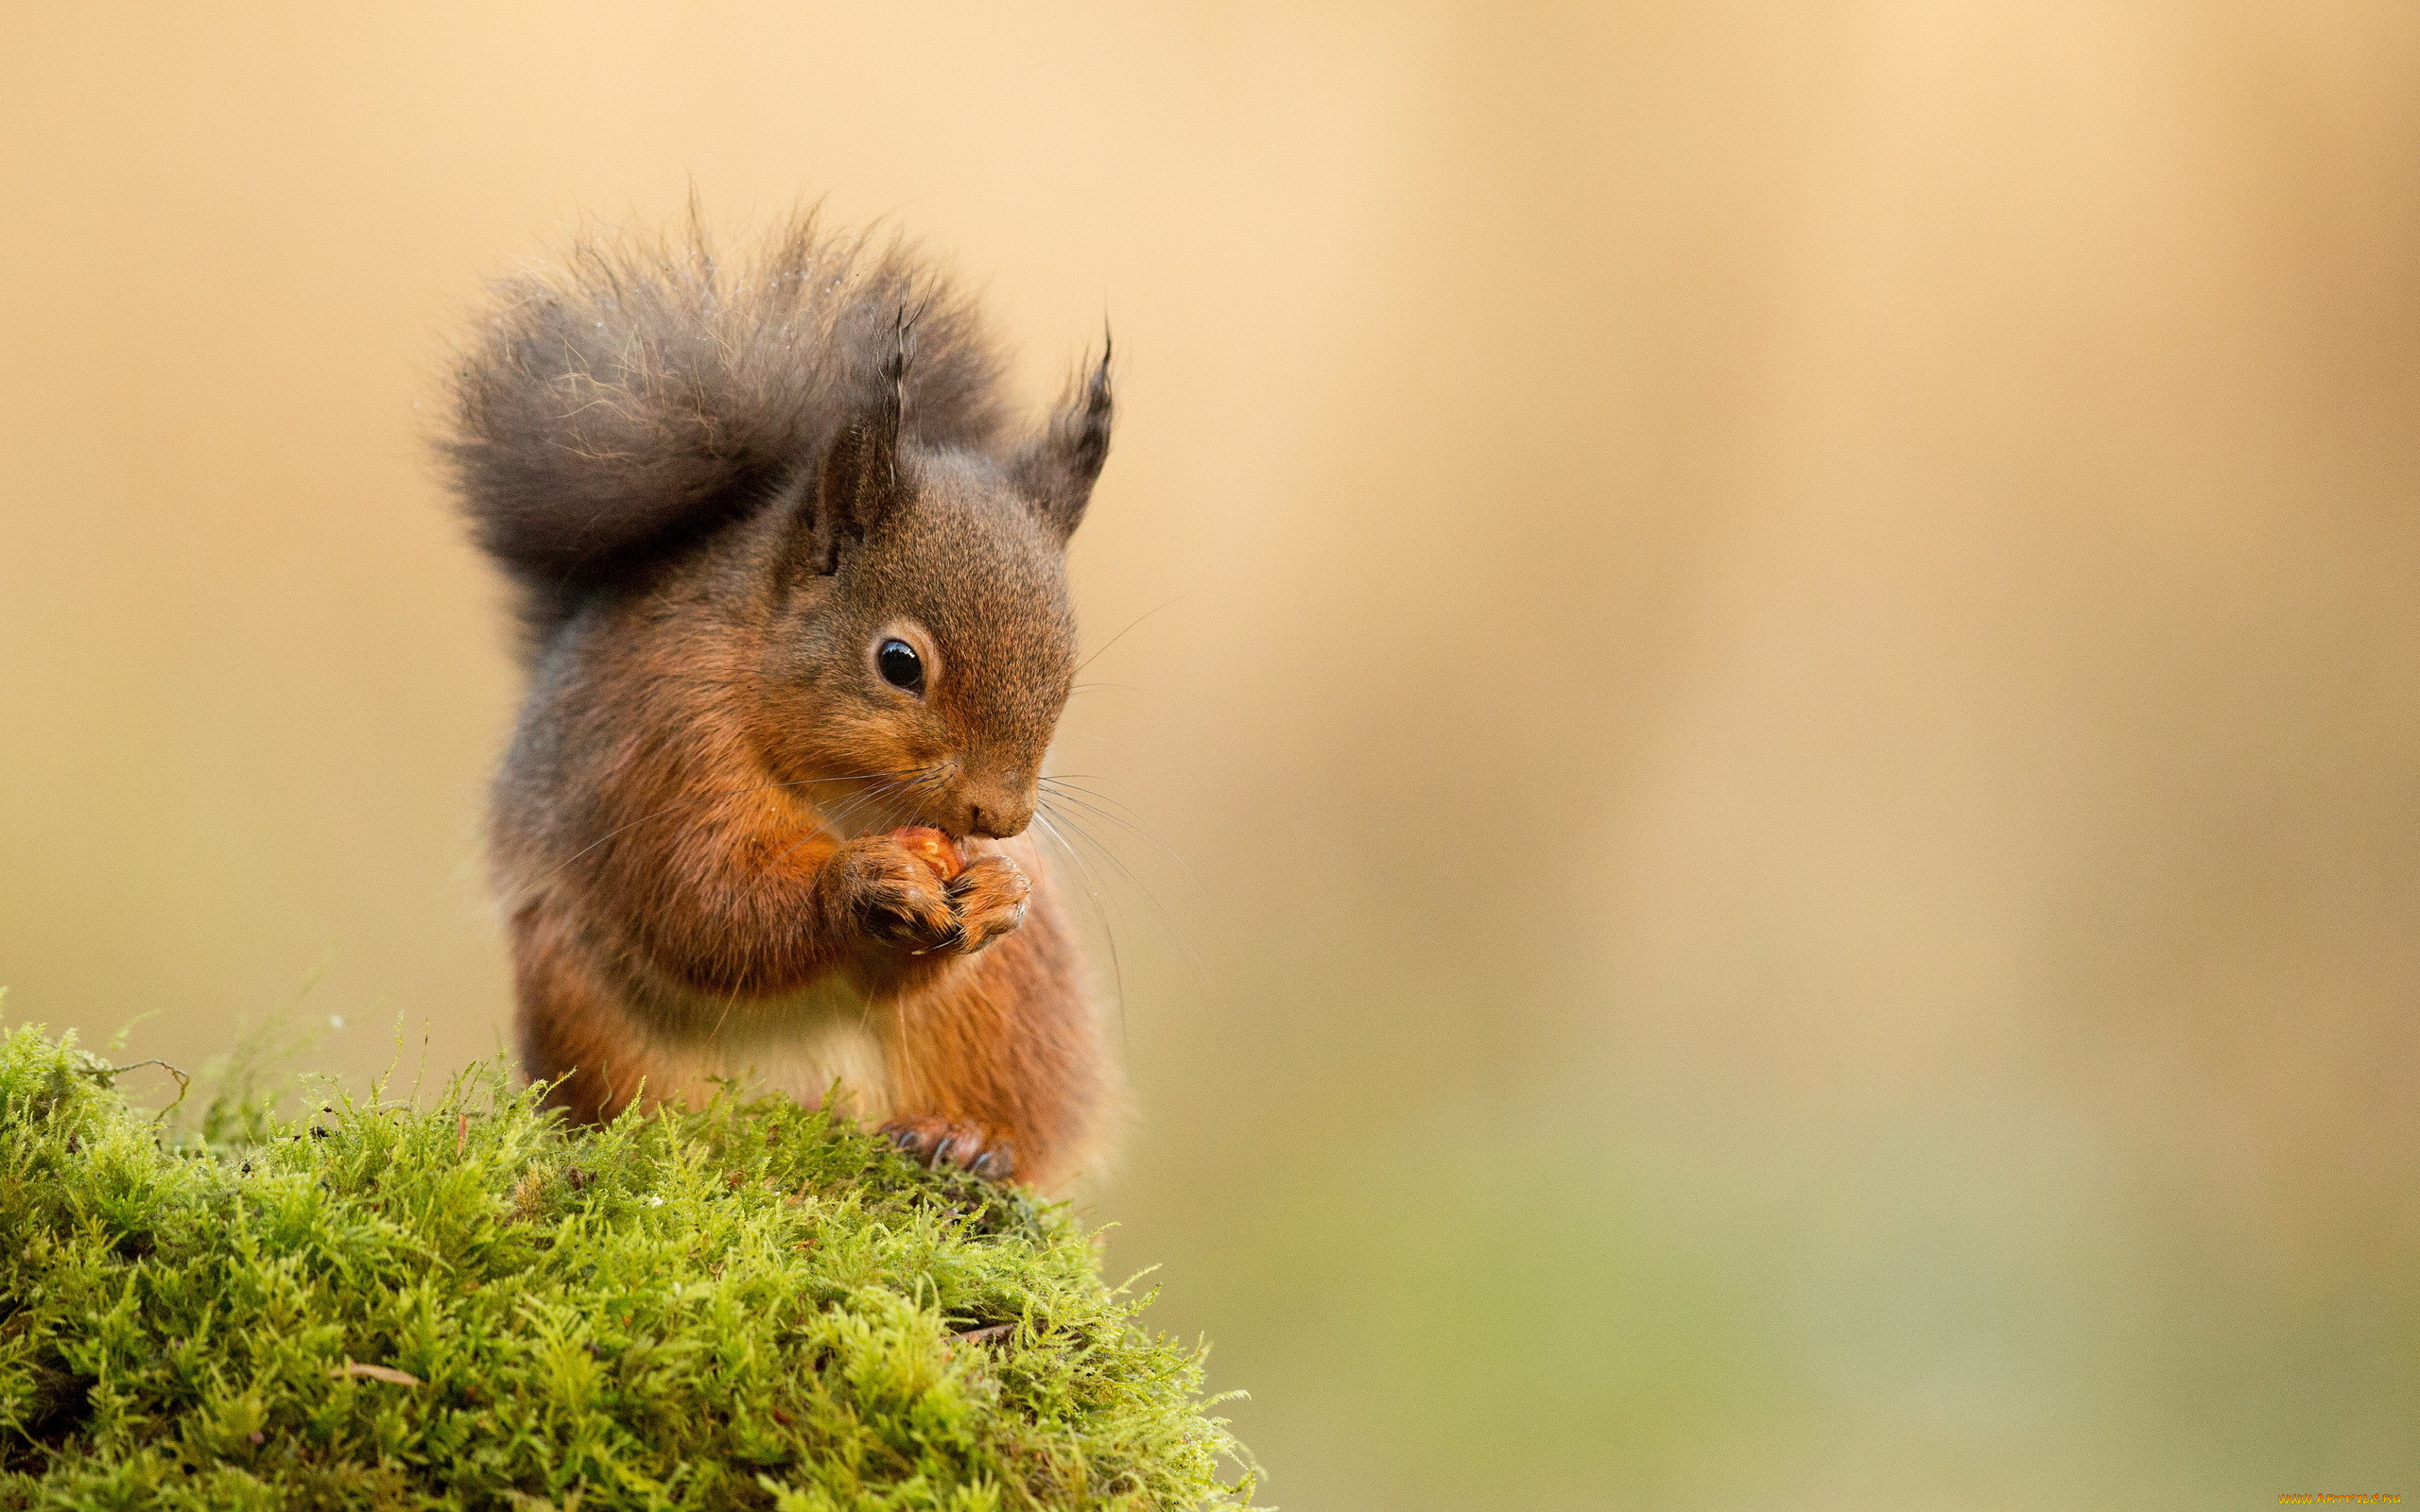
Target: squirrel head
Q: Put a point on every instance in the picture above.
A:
(922, 646)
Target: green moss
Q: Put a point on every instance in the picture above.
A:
(751, 1306)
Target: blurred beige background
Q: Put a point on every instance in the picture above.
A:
(1782, 642)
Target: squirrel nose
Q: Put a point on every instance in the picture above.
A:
(997, 817)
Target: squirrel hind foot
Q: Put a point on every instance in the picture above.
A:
(938, 1142)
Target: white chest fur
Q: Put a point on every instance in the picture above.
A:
(806, 1046)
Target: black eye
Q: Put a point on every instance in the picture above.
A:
(901, 666)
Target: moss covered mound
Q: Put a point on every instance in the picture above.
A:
(469, 1306)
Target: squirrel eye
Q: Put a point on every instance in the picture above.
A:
(901, 666)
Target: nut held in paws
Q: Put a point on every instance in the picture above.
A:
(933, 849)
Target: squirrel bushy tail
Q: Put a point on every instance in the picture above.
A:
(641, 393)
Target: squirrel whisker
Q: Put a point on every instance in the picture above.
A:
(1121, 635)
(1082, 798)
(688, 803)
(1100, 912)
(837, 818)
(1167, 920)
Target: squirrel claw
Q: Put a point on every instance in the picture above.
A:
(938, 1142)
(991, 898)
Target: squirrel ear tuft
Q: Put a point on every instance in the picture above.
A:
(1059, 469)
(857, 487)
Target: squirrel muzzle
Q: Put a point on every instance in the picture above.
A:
(994, 810)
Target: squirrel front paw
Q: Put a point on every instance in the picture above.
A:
(907, 890)
(892, 894)
(989, 897)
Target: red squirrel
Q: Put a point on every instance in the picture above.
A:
(794, 597)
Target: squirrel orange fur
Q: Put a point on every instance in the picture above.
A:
(794, 598)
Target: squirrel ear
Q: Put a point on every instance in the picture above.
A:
(851, 493)
(1058, 470)
(859, 484)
